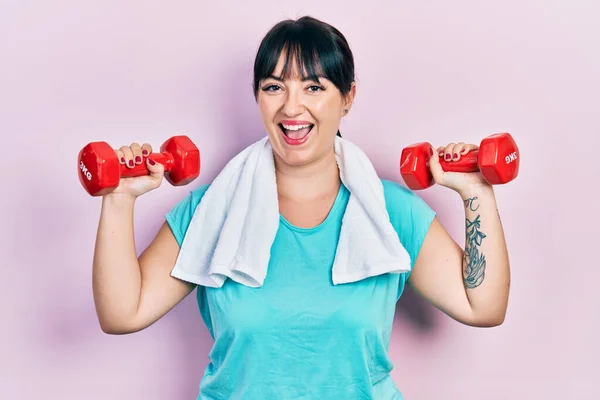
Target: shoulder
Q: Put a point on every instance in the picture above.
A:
(393, 189)
(403, 203)
(192, 199)
(400, 199)
(180, 215)
(197, 193)
(409, 214)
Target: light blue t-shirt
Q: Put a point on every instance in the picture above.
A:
(299, 337)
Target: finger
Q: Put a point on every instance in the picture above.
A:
(436, 169)
(156, 169)
(448, 151)
(441, 150)
(128, 155)
(136, 149)
(146, 149)
(120, 157)
(432, 152)
(458, 151)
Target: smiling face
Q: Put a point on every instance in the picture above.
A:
(301, 115)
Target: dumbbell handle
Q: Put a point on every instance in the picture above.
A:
(165, 159)
(467, 163)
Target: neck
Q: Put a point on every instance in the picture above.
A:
(310, 181)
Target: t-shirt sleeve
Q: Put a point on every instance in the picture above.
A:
(180, 216)
(410, 215)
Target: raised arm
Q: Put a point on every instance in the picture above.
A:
(130, 293)
(469, 284)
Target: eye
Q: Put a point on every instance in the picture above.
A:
(315, 88)
(270, 88)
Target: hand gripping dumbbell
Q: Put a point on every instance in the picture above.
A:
(100, 170)
(497, 159)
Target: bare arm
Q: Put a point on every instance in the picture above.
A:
(132, 294)
(471, 286)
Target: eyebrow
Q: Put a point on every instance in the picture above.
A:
(303, 79)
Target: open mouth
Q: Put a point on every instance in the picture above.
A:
(295, 134)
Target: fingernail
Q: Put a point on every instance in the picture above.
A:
(448, 157)
(430, 152)
(131, 163)
(122, 160)
(441, 153)
(455, 155)
(152, 162)
(138, 159)
(145, 152)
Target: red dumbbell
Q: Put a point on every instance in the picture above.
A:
(100, 170)
(497, 159)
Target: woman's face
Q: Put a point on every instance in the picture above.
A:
(301, 117)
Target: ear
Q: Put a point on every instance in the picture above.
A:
(349, 98)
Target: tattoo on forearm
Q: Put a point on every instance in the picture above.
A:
(474, 261)
(469, 203)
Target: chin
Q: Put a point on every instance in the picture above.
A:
(294, 157)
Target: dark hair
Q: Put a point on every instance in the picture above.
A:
(318, 48)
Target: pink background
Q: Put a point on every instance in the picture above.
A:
(72, 72)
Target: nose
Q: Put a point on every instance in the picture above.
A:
(293, 104)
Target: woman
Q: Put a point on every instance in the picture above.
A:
(299, 336)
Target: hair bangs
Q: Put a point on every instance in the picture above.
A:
(306, 59)
(315, 50)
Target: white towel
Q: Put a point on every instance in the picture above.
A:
(233, 227)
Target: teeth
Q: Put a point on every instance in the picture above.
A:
(294, 127)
